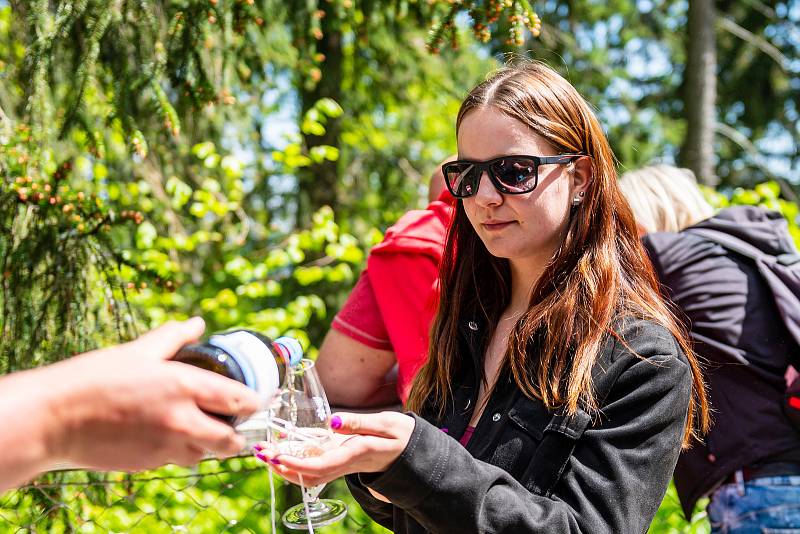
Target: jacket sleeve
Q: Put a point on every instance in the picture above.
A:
(377, 510)
(614, 481)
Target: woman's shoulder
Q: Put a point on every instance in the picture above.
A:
(642, 339)
(642, 354)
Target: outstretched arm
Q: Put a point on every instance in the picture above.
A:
(126, 407)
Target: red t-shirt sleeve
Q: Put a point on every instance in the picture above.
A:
(405, 290)
(360, 317)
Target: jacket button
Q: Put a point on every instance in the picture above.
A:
(472, 325)
(711, 458)
(496, 417)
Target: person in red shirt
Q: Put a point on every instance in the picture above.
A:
(379, 339)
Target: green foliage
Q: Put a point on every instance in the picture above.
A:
(771, 195)
(153, 124)
(215, 496)
(669, 518)
(59, 265)
(628, 58)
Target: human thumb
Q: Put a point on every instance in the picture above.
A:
(163, 342)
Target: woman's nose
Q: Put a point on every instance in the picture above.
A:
(487, 194)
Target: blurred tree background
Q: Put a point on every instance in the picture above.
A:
(237, 158)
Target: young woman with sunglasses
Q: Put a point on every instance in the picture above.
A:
(559, 389)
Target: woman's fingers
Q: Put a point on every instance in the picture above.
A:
(329, 466)
(380, 424)
(332, 461)
(295, 477)
(373, 442)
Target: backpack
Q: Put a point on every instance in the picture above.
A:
(782, 274)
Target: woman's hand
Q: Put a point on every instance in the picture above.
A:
(370, 444)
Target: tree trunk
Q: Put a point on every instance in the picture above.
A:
(318, 183)
(700, 92)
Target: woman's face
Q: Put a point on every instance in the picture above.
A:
(523, 228)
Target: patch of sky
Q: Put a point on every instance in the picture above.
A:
(777, 140)
(600, 35)
(615, 23)
(676, 16)
(775, 151)
(733, 113)
(583, 37)
(281, 99)
(278, 131)
(790, 110)
(647, 59)
(463, 24)
(614, 115)
(644, 6)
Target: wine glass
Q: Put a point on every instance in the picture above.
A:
(299, 414)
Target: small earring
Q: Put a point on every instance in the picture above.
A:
(576, 201)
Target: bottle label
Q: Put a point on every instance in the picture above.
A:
(254, 358)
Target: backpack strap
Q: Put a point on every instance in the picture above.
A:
(742, 247)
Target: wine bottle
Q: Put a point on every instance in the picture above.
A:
(247, 357)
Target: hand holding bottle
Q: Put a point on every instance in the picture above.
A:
(125, 407)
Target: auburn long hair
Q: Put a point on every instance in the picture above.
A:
(599, 274)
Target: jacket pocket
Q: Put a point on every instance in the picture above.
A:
(520, 437)
(559, 437)
(530, 416)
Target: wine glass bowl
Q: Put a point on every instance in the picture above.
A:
(299, 416)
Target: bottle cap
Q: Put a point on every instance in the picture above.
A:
(291, 349)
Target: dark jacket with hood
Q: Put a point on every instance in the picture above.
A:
(527, 469)
(737, 330)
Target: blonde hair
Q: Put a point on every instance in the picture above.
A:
(664, 198)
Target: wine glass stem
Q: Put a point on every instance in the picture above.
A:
(315, 506)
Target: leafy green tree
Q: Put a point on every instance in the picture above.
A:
(630, 59)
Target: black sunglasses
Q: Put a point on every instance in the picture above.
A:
(511, 175)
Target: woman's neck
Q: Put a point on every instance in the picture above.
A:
(524, 275)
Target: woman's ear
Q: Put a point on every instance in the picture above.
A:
(581, 174)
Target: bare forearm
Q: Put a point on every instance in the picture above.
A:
(354, 375)
(378, 395)
(27, 427)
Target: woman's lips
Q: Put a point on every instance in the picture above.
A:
(494, 226)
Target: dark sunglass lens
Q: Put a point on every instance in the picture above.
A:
(517, 174)
(460, 178)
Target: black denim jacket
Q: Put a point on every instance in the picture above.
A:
(526, 469)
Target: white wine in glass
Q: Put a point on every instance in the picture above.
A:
(300, 415)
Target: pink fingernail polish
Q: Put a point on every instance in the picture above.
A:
(274, 461)
(262, 457)
(258, 448)
(336, 422)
